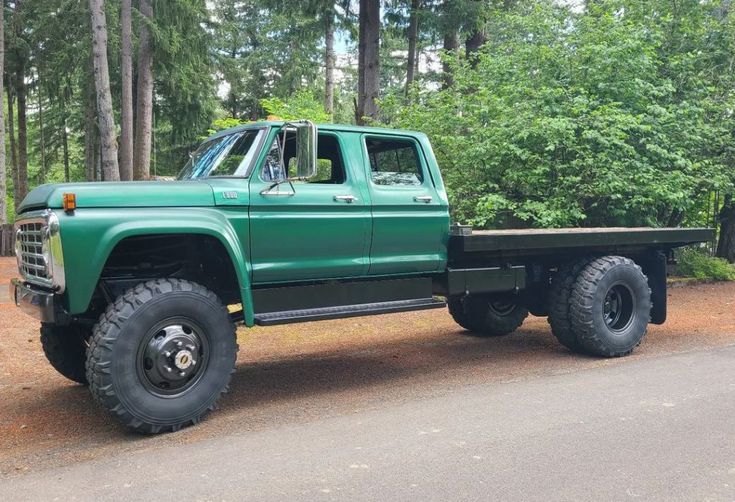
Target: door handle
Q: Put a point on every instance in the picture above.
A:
(345, 198)
(423, 198)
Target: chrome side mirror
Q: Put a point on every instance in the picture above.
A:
(306, 145)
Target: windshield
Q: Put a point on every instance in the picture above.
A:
(229, 155)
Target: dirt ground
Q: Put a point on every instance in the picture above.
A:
(296, 373)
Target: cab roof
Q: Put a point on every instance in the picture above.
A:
(321, 127)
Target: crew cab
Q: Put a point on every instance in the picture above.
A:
(138, 286)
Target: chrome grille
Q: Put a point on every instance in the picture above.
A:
(32, 263)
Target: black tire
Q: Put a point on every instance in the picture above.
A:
(486, 315)
(132, 345)
(560, 296)
(610, 306)
(66, 349)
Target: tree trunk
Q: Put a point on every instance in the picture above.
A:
(451, 44)
(726, 243)
(90, 135)
(3, 172)
(329, 60)
(65, 139)
(473, 44)
(42, 135)
(108, 143)
(11, 134)
(144, 98)
(368, 79)
(413, 33)
(126, 100)
(22, 131)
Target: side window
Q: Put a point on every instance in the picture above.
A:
(394, 162)
(330, 167)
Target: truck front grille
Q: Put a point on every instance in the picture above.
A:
(32, 263)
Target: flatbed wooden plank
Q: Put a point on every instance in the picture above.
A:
(570, 238)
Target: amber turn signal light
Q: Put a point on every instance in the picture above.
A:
(70, 202)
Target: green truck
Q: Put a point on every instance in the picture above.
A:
(139, 286)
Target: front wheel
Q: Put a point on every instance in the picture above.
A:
(161, 355)
(65, 348)
(487, 315)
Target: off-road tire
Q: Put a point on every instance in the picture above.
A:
(560, 295)
(476, 314)
(66, 349)
(602, 277)
(113, 364)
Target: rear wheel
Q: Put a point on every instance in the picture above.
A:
(66, 349)
(487, 315)
(560, 297)
(610, 306)
(161, 355)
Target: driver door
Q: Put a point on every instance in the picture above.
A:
(312, 230)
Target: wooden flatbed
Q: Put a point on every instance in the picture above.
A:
(543, 241)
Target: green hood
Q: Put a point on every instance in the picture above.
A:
(126, 194)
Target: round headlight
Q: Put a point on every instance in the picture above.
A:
(46, 251)
(18, 248)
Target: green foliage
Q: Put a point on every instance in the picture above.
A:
(695, 263)
(301, 105)
(582, 118)
(220, 124)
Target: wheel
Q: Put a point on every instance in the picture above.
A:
(66, 349)
(559, 303)
(610, 306)
(161, 355)
(486, 315)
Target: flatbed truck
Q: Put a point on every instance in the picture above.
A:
(138, 286)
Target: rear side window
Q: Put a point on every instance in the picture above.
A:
(394, 162)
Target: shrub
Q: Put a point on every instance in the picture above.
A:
(695, 263)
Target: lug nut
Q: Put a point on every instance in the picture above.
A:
(168, 368)
(179, 343)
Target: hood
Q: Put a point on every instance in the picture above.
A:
(125, 194)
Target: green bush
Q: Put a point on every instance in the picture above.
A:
(694, 263)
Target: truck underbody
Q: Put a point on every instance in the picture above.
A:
(515, 265)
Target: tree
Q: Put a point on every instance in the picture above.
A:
(726, 243)
(368, 83)
(144, 97)
(126, 100)
(329, 59)
(413, 32)
(3, 174)
(15, 68)
(108, 143)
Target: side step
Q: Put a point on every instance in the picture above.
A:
(318, 314)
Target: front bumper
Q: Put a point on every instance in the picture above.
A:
(33, 301)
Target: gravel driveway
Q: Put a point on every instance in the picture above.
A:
(289, 375)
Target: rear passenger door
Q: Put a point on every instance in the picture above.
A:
(409, 218)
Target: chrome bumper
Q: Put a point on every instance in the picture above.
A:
(34, 302)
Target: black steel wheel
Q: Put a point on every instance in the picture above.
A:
(161, 355)
(610, 306)
(487, 315)
(65, 348)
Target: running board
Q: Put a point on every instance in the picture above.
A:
(363, 309)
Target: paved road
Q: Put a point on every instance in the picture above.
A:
(660, 428)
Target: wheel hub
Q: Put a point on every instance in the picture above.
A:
(170, 360)
(618, 307)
